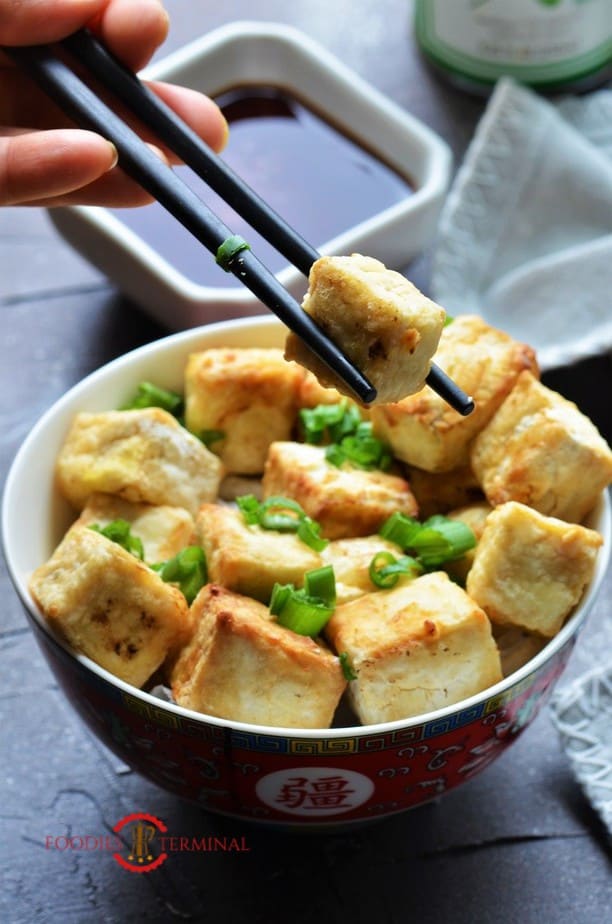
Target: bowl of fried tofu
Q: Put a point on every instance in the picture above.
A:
(292, 609)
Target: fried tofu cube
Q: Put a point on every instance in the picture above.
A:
(345, 501)
(530, 570)
(414, 649)
(423, 430)
(311, 393)
(163, 530)
(351, 559)
(439, 492)
(516, 646)
(474, 516)
(249, 395)
(540, 450)
(380, 320)
(143, 456)
(243, 666)
(110, 606)
(248, 559)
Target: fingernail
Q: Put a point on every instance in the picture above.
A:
(226, 132)
(115, 155)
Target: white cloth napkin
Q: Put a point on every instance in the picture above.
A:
(525, 237)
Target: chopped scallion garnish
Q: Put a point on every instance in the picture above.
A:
(283, 515)
(120, 531)
(347, 668)
(329, 421)
(228, 251)
(187, 570)
(305, 611)
(360, 449)
(208, 437)
(150, 395)
(433, 542)
(385, 569)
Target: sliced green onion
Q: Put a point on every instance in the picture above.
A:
(360, 449)
(458, 536)
(149, 395)
(331, 421)
(385, 569)
(321, 583)
(435, 541)
(119, 531)
(280, 513)
(208, 437)
(309, 531)
(249, 508)
(228, 251)
(400, 529)
(304, 615)
(187, 570)
(283, 515)
(448, 320)
(345, 664)
(305, 611)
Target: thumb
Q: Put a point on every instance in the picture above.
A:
(39, 165)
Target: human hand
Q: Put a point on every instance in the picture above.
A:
(44, 159)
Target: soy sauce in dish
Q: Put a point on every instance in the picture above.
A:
(318, 179)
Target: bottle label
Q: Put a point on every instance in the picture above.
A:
(536, 41)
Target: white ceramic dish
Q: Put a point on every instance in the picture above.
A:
(246, 53)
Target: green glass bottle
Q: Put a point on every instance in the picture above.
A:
(552, 45)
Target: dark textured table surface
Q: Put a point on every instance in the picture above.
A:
(518, 843)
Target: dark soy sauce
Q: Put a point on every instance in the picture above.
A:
(318, 179)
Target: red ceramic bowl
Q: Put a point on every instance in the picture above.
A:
(272, 775)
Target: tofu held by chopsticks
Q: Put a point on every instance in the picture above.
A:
(383, 323)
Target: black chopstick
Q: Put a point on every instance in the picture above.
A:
(180, 138)
(81, 104)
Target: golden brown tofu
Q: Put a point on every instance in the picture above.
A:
(516, 646)
(351, 559)
(423, 430)
(110, 606)
(540, 450)
(345, 501)
(163, 530)
(474, 516)
(142, 456)
(311, 393)
(249, 559)
(250, 395)
(240, 665)
(381, 321)
(439, 492)
(530, 570)
(414, 649)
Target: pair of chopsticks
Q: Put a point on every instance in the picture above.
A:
(53, 72)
